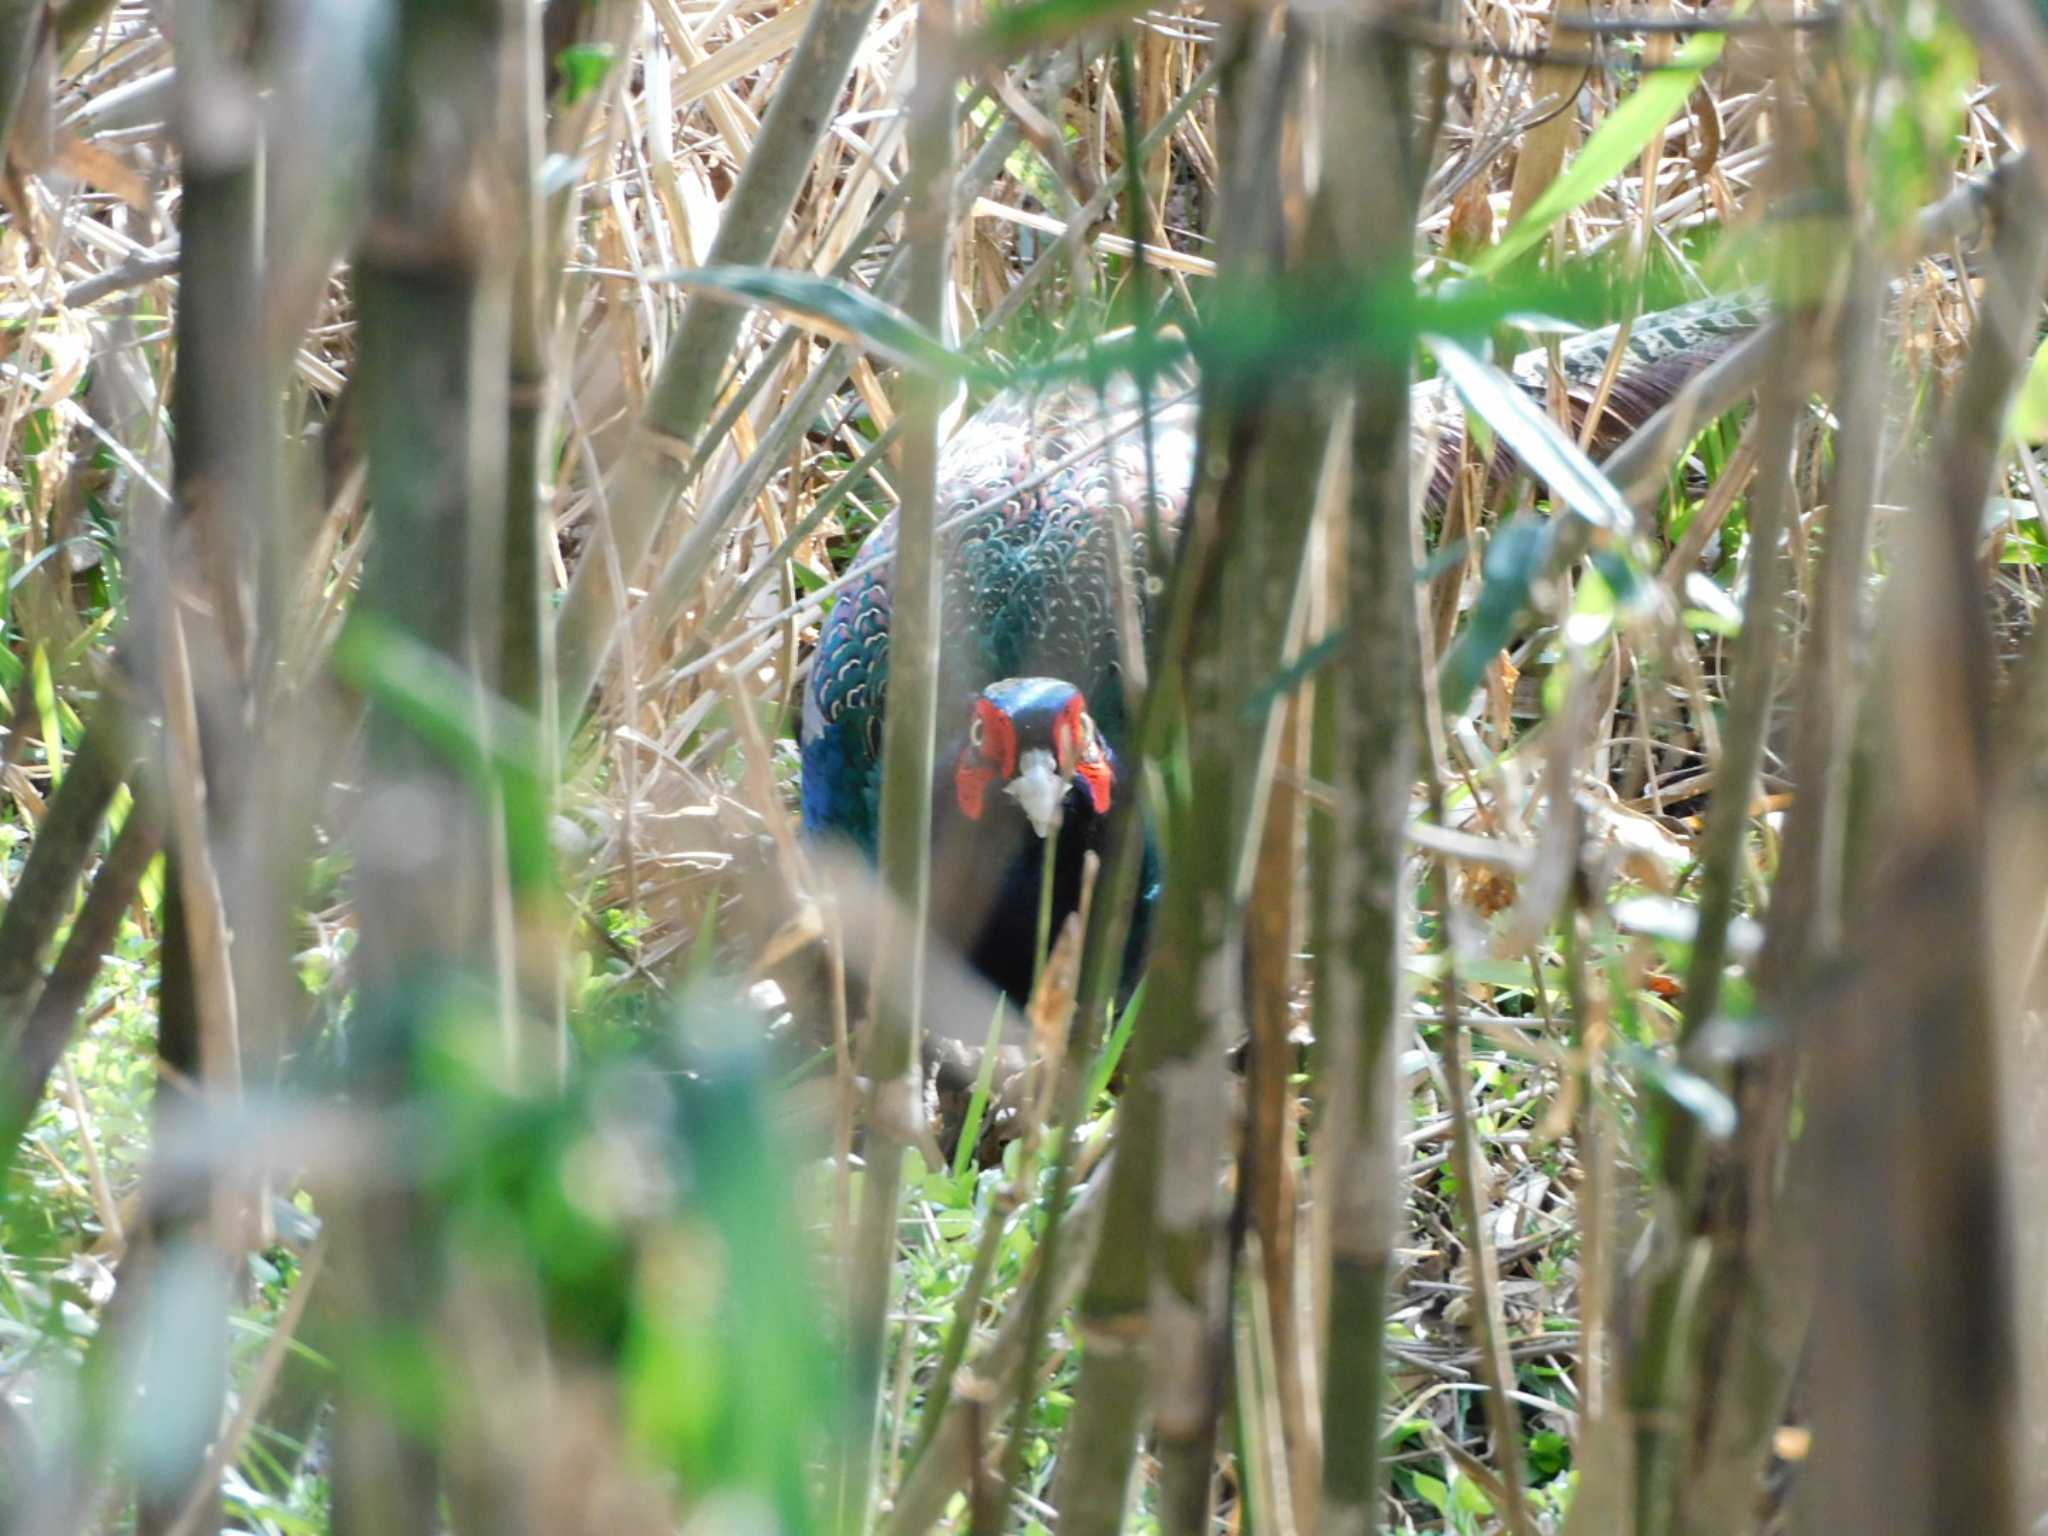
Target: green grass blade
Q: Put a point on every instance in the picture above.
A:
(1113, 1052)
(46, 713)
(977, 1103)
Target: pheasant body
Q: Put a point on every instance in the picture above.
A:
(1039, 499)
(1027, 585)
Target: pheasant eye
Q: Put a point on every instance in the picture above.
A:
(975, 733)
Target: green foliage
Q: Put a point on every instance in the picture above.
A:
(503, 754)
(2030, 406)
(583, 67)
(1915, 127)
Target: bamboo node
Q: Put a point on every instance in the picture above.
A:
(664, 443)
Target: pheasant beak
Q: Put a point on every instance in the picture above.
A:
(1039, 790)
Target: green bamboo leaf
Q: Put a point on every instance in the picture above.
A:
(45, 689)
(1013, 28)
(1113, 1051)
(1517, 555)
(1610, 148)
(48, 551)
(494, 743)
(1433, 1491)
(583, 67)
(2029, 422)
(1708, 607)
(1690, 1094)
(1542, 446)
(836, 309)
(1292, 675)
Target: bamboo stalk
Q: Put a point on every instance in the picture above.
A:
(1175, 1099)
(1172, 1111)
(199, 878)
(1755, 669)
(1283, 463)
(1298, 477)
(531, 959)
(34, 1053)
(1658, 1384)
(1761, 1287)
(1111, 1397)
(1192, 988)
(910, 720)
(1661, 1389)
(210, 621)
(22, 27)
(1907, 1113)
(523, 658)
(1481, 1267)
(63, 845)
(182, 1347)
(1269, 1158)
(433, 361)
(1371, 205)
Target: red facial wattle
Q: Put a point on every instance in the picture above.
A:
(971, 778)
(1080, 753)
(1096, 776)
(990, 753)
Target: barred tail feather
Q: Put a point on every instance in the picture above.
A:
(1663, 353)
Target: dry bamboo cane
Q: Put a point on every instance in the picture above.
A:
(1110, 1400)
(1761, 1285)
(1658, 1378)
(693, 556)
(1915, 1418)
(1482, 1268)
(57, 859)
(48, 1029)
(433, 363)
(907, 752)
(1372, 200)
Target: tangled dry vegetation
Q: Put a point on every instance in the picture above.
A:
(1573, 801)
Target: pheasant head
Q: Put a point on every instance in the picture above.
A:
(1032, 738)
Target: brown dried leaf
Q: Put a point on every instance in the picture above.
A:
(102, 170)
(1705, 150)
(1471, 226)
